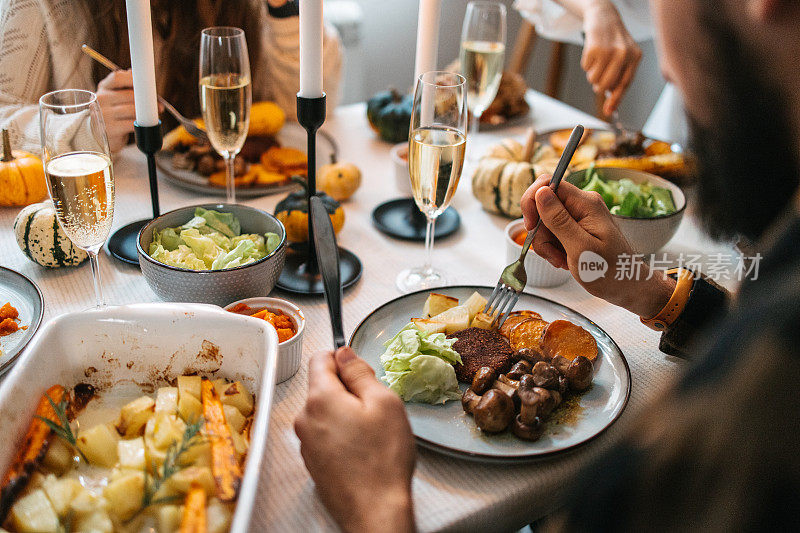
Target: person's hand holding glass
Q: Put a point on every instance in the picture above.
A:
(436, 145)
(483, 46)
(225, 94)
(77, 164)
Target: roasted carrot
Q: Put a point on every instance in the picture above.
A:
(224, 464)
(32, 450)
(193, 519)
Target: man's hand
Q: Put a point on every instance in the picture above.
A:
(357, 445)
(610, 55)
(115, 97)
(576, 221)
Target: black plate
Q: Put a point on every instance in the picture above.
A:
(402, 219)
(122, 244)
(296, 279)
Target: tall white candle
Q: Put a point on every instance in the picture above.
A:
(140, 36)
(310, 48)
(427, 36)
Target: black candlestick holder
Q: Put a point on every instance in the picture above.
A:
(300, 274)
(122, 244)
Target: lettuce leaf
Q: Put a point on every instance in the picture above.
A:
(428, 379)
(210, 241)
(419, 366)
(225, 223)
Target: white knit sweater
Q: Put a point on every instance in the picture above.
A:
(40, 51)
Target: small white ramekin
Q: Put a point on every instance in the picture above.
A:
(540, 272)
(290, 352)
(400, 165)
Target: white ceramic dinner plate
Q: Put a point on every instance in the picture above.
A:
(25, 296)
(446, 428)
(291, 135)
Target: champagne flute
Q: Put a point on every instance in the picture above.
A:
(436, 146)
(483, 47)
(80, 177)
(225, 94)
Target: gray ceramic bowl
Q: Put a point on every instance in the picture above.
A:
(645, 235)
(218, 287)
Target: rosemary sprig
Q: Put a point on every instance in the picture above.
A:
(152, 484)
(62, 429)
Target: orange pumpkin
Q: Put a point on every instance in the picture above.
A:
(21, 177)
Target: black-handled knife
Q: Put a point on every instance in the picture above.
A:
(328, 261)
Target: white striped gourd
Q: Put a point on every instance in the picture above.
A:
(499, 184)
(42, 240)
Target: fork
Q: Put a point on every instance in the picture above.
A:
(189, 125)
(514, 278)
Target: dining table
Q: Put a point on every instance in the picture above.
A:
(450, 494)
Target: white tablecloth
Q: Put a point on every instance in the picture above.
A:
(449, 494)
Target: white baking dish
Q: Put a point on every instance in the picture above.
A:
(147, 344)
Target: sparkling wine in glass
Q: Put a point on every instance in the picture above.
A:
(436, 146)
(225, 94)
(80, 176)
(483, 47)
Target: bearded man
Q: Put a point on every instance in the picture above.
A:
(718, 451)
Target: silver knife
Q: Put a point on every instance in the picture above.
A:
(328, 261)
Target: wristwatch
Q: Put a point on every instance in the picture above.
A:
(677, 302)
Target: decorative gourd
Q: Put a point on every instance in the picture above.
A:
(504, 175)
(507, 149)
(41, 238)
(500, 183)
(22, 179)
(339, 180)
(389, 114)
(266, 118)
(292, 211)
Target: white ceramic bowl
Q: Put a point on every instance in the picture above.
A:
(645, 235)
(400, 165)
(540, 272)
(146, 343)
(290, 352)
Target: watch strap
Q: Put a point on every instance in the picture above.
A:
(677, 302)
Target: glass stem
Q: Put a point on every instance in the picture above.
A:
(475, 120)
(98, 289)
(429, 244)
(230, 176)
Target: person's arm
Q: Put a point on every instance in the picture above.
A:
(707, 302)
(281, 59)
(24, 75)
(26, 64)
(357, 444)
(577, 222)
(610, 55)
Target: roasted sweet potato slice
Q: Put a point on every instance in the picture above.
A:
(526, 313)
(569, 340)
(528, 334)
(559, 138)
(511, 322)
(224, 464)
(33, 448)
(658, 148)
(193, 519)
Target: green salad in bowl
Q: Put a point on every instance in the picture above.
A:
(626, 198)
(210, 240)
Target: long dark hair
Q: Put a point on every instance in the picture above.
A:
(178, 25)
